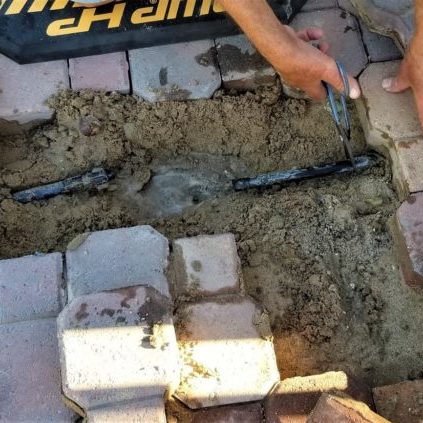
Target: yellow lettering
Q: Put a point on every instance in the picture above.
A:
(189, 8)
(59, 4)
(205, 7)
(37, 6)
(139, 15)
(173, 9)
(88, 16)
(217, 8)
(16, 7)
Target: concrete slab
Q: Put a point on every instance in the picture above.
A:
(379, 47)
(312, 5)
(227, 353)
(241, 66)
(402, 402)
(347, 6)
(298, 396)
(117, 258)
(206, 265)
(407, 230)
(184, 71)
(104, 72)
(334, 409)
(24, 90)
(342, 33)
(386, 117)
(149, 410)
(31, 287)
(117, 346)
(30, 388)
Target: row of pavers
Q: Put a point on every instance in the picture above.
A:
(116, 356)
(182, 71)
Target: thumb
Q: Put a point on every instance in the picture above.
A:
(398, 84)
(334, 78)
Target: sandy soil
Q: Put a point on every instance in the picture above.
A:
(317, 255)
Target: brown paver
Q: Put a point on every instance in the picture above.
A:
(30, 287)
(149, 410)
(407, 231)
(30, 388)
(246, 413)
(293, 399)
(400, 403)
(104, 72)
(386, 117)
(334, 409)
(117, 258)
(241, 66)
(342, 33)
(117, 346)
(206, 265)
(227, 353)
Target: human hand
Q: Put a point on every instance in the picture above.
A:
(410, 75)
(309, 66)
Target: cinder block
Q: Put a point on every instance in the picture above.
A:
(25, 89)
(386, 117)
(149, 410)
(184, 71)
(246, 413)
(298, 396)
(342, 33)
(407, 166)
(206, 265)
(117, 346)
(379, 48)
(407, 231)
(117, 258)
(30, 388)
(334, 409)
(227, 353)
(30, 287)
(312, 5)
(241, 66)
(400, 403)
(104, 72)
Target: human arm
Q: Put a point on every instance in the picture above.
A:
(299, 63)
(410, 74)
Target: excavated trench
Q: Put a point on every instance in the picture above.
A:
(317, 254)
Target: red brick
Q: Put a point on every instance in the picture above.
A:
(104, 72)
(293, 399)
(400, 403)
(407, 231)
(334, 409)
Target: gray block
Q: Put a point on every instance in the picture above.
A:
(312, 5)
(184, 71)
(117, 258)
(379, 48)
(30, 287)
(118, 346)
(342, 33)
(30, 388)
(241, 66)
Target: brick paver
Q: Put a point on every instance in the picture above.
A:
(227, 353)
(298, 396)
(385, 116)
(241, 66)
(407, 230)
(117, 346)
(25, 88)
(117, 258)
(206, 265)
(379, 48)
(400, 403)
(30, 287)
(342, 33)
(150, 410)
(334, 409)
(104, 72)
(184, 71)
(30, 374)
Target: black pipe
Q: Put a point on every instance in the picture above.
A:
(296, 175)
